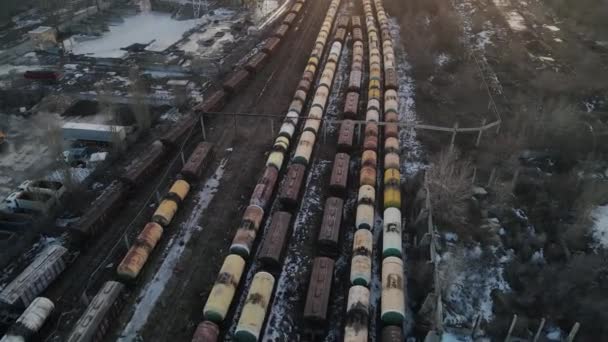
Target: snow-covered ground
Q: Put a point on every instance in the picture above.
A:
(412, 152)
(599, 231)
(469, 275)
(150, 294)
(158, 28)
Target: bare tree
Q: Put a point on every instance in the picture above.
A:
(450, 187)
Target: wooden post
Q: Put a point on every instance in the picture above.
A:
(573, 332)
(481, 129)
(235, 132)
(514, 180)
(492, 175)
(513, 322)
(203, 127)
(539, 330)
(455, 130)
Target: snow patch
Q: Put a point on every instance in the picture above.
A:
(515, 21)
(599, 231)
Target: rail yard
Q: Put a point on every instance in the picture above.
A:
(268, 186)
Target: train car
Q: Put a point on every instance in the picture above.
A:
(297, 7)
(346, 136)
(276, 159)
(178, 131)
(262, 194)
(236, 81)
(392, 333)
(391, 161)
(135, 259)
(244, 238)
(351, 105)
(370, 142)
(329, 234)
(206, 331)
(35, 278)
(30, 321)
(95, 321)
(361, 263)
(165, 212)
(289, 193)
(357, 34)
(212, 103)
(305, 147)
(339, 175)
(256, 63)
(391, 236)
(102, 208)
(369, 158)
(356, 21)
(391, 145)
(340, 35)
(367, 176)
(354, 80)
(197, 162)
(289, 19)
(275, 240)
(393, 298)
(391, 130)
(255, 309)
(343, 22)
(223, 290)
(392, 191)
(271, 45)
(357, 315)
(319, 291)
(281, 31)
(144, 165)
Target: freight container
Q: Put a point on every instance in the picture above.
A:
(393, 284)
(357, 315)
(103, 308)
(165, 212)
(289, 19)
(329, 233)
(369, 158)
(339, 175)
(247, 231)
(140, 168)
(271, 45)
(35, 278)
(213, 103)
(351, 105)
(281, 31)
(30, 321)
(102, 208)
(372, 115)
(223, 290)
(319, 290)
(340, 35)
(275, 241)
(236, 81)
(206, 331)
(370, 142)
(177, 132)
(254, 311)
(198, 161)
(262, 194)
(343, 22)
(256, 63)
(296, 8)
(289, 192)
(346, 136)
(361, 264)
(357, 35)
(356, 21)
